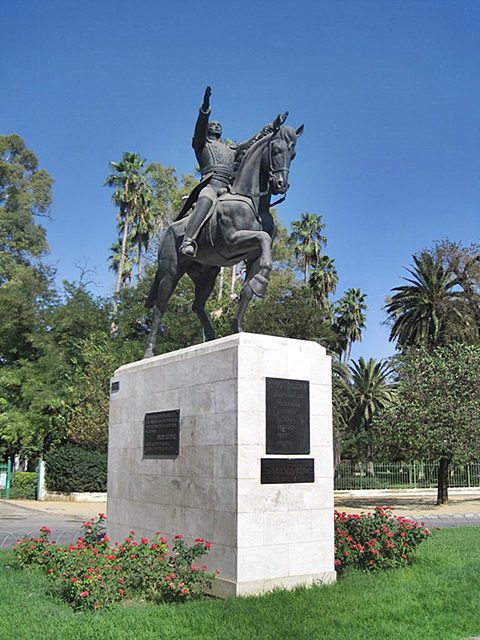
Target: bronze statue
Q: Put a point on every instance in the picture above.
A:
(234, 223)
(217, 161)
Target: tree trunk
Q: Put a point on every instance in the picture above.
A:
(220, 283)
(118, 281)
(139, 273)
(442, 486)
(232, 281)
(306, 271)
(348, 350)
(337, 455)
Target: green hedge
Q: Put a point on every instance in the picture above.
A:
(24, 485)
(72, 468)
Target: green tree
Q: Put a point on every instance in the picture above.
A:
(372, 390)
(25, 282)
(342, 405)
(290, 310)
(350, 320)
(429, 311)
(464, 263)
(132, 196)
(307, 234)
(323, 280)
(436, 415)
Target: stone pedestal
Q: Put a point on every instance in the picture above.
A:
(263, 534)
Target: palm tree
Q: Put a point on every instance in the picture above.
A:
(342, 405)
(131, 197)
(323, 280)
(350, 320)
(427, 311)
(307, 233)
(372, 390)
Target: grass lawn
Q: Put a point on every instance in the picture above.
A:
(437, 598)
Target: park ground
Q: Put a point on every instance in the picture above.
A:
(462, 509)
(407, 503)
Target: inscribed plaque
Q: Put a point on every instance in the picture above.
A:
(287, 470)
(288, 416)
(161, 434)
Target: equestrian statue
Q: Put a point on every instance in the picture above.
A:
(226, 218)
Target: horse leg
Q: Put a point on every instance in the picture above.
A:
(251, 240)
(168, 274)
(152, 335)
(246, 295)
(204, 281)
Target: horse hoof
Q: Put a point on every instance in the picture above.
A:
(148, 354)
(258, 284)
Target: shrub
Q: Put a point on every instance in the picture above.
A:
(73, 468)
(92, 575)
(24, 485)
(376, 540)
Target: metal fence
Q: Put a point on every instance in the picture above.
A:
(402, 475)
(5, 478)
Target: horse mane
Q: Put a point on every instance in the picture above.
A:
(288, 134)
(252, 156)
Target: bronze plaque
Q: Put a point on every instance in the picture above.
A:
(288, 416)
(287, 470)
(161, 434)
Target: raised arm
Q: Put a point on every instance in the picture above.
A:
(201, 126)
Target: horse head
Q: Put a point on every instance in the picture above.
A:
(277, 157)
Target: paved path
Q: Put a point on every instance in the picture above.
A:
(26, 517)
(463, 508)
(19, 518)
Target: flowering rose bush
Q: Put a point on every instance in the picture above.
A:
(91, 574)
(376, 540)
(35, 550)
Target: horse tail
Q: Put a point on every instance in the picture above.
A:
(152, 296)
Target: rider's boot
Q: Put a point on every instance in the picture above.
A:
(202, 207)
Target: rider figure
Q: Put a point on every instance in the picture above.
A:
(216, 160)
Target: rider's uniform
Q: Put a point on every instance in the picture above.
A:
(216, 160)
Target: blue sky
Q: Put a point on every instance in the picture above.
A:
(389, 92)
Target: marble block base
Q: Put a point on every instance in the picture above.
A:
(263, 535)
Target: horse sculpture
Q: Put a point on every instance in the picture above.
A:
(239, 227)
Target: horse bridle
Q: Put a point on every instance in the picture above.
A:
(271, 175)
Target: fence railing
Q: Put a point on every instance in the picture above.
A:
(402, 475)
(5, 478)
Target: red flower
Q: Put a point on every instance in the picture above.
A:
(73, 580)
(194, 567)
(207, 545)
(178, 537)
(84, 594)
